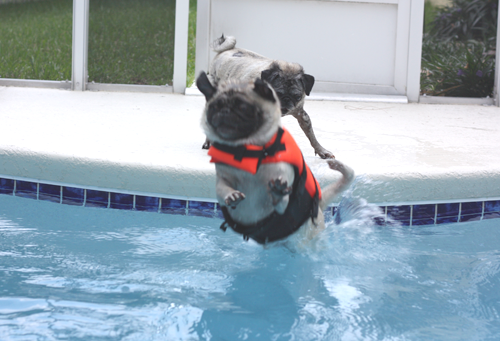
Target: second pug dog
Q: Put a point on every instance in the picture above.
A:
(265, 189)
(288, 80)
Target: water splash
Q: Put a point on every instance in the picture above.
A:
(353, 209)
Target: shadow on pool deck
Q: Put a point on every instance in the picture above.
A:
(151, 143)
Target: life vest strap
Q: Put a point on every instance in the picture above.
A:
(240, 152)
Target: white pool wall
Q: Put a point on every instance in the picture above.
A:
(151, 143)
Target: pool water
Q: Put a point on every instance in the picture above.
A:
(74, 273)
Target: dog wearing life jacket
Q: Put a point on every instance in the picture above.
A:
(289, 81)
(265, 189)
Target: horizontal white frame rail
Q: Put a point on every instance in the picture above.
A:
(35, 83)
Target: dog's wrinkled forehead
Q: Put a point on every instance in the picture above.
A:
(285, 72)
(231, 98)
(256, 90)
(288, 79)
(245, 91)
(232, 88)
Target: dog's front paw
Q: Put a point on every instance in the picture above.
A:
(280, 187)
(233, 199)
(323, 153)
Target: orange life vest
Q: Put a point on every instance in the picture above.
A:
(250, 157)
(304, 199)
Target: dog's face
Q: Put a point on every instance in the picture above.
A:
(290, 83)
(239, 112)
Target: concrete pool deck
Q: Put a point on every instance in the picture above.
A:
(150, 143)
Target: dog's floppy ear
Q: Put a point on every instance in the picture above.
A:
(308, 82)
(266, 75)
(205, 86)
(263, 90)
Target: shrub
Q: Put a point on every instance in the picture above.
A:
(458, 51)
(466, 20)
(457, 69)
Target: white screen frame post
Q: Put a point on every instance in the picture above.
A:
(415, 50)
(496, 93)
(80, 45)
(181, 46)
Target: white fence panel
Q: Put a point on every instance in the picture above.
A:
(357, 47)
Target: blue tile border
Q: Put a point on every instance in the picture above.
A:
(121, 201)
(26, 189)
(73, 196)
(49, 192)
(405, 215)
(95, 198)
(7, 186)
(401, 213)
(492, 206)
(146, 203)
(174, 206)
(425, 212)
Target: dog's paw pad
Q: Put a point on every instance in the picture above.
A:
(234, 198)
(280, 186)
(324, 154)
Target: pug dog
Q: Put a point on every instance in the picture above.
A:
(264, 187)
(288, 80)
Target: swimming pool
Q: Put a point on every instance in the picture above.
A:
(77, 273)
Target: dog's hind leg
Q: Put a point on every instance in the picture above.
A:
(306, 125)
(329, 192)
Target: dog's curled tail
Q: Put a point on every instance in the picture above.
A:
(224, 43)
(332, 190)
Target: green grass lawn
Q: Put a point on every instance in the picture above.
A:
(130, 41)
(35, 40)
